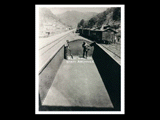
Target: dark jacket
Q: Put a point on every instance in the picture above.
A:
(85, 47)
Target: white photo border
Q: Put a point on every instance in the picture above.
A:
(122, 63)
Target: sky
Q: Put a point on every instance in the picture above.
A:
(60, 10)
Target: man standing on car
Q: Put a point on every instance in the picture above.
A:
(85, 49)
(67, 50)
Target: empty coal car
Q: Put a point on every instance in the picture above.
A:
(105, 36)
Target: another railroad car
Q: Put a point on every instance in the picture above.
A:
(105, 36)
(108, 36)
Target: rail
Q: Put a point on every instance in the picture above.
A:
(113, 55)
(54, 40)
(112, 51)
(47, 50)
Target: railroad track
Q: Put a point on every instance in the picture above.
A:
(111, 50)
(47, 51)
(52, 44)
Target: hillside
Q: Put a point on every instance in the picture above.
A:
(71, 18)
(111, 17)
(49, 24)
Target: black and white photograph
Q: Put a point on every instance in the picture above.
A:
(79, 59)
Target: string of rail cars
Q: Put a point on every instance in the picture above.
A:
(103, 35)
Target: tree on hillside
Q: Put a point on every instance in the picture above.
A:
(116, 14)
(92, 22)
(81, 23)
